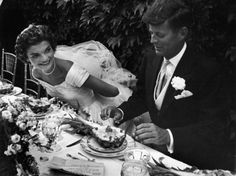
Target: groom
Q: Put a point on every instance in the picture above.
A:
(183, 91)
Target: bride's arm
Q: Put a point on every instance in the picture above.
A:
(101, 87)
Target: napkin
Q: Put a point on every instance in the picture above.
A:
(79, 167)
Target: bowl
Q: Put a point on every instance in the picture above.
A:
(38, 105)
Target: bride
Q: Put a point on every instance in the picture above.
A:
(87, 75)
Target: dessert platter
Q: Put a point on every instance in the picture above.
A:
(103, 140)
(8, 89)
(106, 141)
(85, 144)
(94, 145)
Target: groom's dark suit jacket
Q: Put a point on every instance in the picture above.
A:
(198, 123)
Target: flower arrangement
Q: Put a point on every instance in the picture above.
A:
(179, 85)
(17, 122)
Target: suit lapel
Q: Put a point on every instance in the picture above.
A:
(183, 69)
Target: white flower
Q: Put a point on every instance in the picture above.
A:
(17, 147)
(18, 122)
(11, 149)
(178, 83)
(7, 152)
(15, 138)
(22, 126)
(30, 124)
(20, 117)
(7, 115)
(19, 171)
(34, 122)
(12, 110)
(30, 141)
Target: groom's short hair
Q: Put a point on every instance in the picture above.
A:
(176, 12)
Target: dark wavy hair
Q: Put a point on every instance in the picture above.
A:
(30, 36)
(175, 11)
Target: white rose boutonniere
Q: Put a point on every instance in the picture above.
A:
(179, 85)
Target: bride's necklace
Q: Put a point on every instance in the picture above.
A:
(54, 66)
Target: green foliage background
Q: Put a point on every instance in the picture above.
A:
(117, 24)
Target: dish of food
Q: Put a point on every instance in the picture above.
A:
(38, 106)
(42, 114)
(5, 88)
(94, 145)
(87, 149)
(109, 136)
(14, 91)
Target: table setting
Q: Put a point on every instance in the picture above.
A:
(62, 142)
(8, 89)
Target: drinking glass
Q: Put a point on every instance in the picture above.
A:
(137, 153)
(51, 130)
(134, 168)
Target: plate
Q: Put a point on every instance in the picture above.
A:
(94, 145)
(87, 149)
(15, 91)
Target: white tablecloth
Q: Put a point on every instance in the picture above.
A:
(112, 165)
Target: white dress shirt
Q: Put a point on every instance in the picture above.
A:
(158, 98)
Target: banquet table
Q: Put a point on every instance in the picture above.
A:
(112, 165)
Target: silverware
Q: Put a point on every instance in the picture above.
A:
(74, 143)
(159, 162)
(71, 156)
(89, 159)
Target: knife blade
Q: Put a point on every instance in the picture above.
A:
(74, 143)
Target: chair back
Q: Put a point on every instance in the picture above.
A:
(32, 86)
(8, 67)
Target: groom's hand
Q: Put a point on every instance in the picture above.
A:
(112, 112)
(149, 133)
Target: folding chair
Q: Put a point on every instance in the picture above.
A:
(31, 86)
(8, 67)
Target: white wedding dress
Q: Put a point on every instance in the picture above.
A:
(90, 58)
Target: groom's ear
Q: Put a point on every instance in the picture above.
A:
(183, 32)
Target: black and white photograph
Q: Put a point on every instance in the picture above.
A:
(118, 88)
